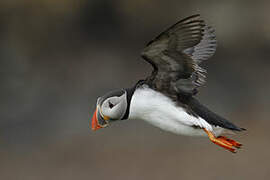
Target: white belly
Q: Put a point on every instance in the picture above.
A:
(173, 125)
(161, 111)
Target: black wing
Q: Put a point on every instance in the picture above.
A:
(175, 55)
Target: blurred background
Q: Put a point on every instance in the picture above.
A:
(57, 57)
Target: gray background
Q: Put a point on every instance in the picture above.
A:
(57, 57)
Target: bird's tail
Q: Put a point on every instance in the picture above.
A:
(211, 117)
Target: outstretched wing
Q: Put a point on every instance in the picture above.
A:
(176, 54)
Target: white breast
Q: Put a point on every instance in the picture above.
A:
(162, 112)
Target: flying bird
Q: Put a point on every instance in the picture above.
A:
(165, 99)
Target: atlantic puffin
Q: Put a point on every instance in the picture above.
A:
(165, 99)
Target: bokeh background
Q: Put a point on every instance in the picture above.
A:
(57, 57)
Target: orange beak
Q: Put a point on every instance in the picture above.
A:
(98, 121)
(95, 124)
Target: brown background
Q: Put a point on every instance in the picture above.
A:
(57, 57)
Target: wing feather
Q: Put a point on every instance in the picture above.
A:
(176, 54)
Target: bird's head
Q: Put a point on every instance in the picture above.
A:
(110, 107)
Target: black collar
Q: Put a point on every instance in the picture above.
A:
(130, 92)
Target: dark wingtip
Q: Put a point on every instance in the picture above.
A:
(243, 129)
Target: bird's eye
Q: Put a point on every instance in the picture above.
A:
(111, 105)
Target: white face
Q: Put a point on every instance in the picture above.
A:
(114, 108)
(111, 106)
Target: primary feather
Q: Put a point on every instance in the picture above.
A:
(176, 54)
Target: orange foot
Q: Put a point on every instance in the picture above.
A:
(224, 142)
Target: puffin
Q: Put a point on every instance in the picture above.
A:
(166, 98)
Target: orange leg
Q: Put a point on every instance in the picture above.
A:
(232, 142)
(224, 142)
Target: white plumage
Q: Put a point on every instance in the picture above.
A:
(162, 112)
